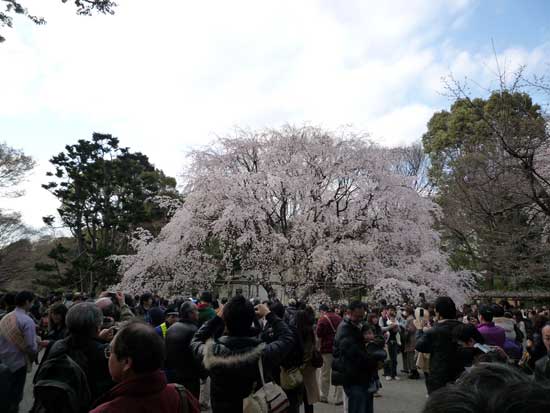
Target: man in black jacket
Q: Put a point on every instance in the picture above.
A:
(232, 359)
(181, 366)
(445, 363)
(542, 366)
(352, 366)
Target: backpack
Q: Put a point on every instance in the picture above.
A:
(60, 386)
(189, 402)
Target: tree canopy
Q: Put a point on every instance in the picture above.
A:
(301, 207)
(105, 191)
(489, 163)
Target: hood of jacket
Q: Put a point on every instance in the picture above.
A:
(230, 352)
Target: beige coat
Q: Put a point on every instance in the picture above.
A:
(311, 384)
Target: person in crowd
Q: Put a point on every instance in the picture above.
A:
(181, 366)
(505, 321)
(524, 326)
(57, 328)
(156, 315)
(352, 366)
(305, 323)
(535, 346)
(171, 316)
(421, 322)
(438, 341)
(393, 344)
(267, 335)
(375, 348)
(542, 365)
(115, 307)
(290, 311)
(136, 356)
(326, 331)
(342, 310)
(409, 344)
(291, 376)
(485, 378)
(482, 389)
(206, 311)
(373, 320)
(145, 305)
(453, 399)
(68, 300)
(18, 350)
(493, 335)
(232, 359)
(469, 339)
(524, 397)
(85, 344)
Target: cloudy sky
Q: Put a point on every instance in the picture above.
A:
(167, 76)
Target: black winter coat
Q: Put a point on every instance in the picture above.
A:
(446, 365)
(232, 362)
(351, 362)
(89, 354)
(542, 369)
(180, 360)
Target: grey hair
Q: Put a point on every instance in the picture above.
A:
(84, 319)
(186, 309)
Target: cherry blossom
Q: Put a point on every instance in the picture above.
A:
(301, 207)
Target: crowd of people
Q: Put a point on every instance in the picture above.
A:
(120, 353)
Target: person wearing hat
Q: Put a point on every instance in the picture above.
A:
(171, 316)
(492, 334)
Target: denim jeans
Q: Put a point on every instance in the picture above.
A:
(359, 398)
(393, 348)
(11, 389)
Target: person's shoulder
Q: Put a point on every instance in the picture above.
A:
(102, 408)
(116, 405)
(24, 317)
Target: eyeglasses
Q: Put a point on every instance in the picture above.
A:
(107, 351)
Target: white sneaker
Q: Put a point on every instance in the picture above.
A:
(396, 378)
(388, 378)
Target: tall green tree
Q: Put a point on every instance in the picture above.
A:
(487, 163)
(105, 192)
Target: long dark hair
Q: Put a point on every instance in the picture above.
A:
(60, 309)
(304, 322)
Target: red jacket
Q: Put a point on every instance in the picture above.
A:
(326, 330)
(144, 394)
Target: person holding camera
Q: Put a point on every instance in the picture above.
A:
(231, 359)
(352, 364)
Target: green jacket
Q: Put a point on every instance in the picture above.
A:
(206, 312)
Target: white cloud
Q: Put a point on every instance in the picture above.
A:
(167, 76)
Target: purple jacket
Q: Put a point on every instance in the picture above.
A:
(493, 335)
